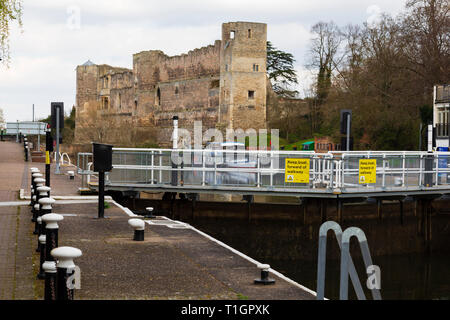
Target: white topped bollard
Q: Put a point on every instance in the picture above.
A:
(264, 275)
(34, 175)
(38, 182)
(150, 210)
(139, 228)
(67, 271)
(51, 232)
(42, 192)
(71, 175)
(32, 170)
(50, 280)
(41, 274)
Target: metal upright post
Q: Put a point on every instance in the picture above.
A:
(101, 194)
(348, 132)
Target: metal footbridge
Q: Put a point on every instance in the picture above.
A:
(333, 175)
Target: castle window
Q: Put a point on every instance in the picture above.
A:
(176, 90)
(158, 97)
(249, 33)
(120, 101)
(135, 103)
(232, 34)
(255, 67)
(251, 94)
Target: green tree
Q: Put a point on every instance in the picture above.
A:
(10, 10)
(280, 68)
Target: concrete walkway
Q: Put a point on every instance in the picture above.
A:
(175, 261)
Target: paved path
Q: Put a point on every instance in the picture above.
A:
(174, 262)
(16, 255)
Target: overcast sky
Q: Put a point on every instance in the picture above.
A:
(58, 35)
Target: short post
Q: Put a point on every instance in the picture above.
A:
(65, 271)
(32, 171)
(39, 233)
(39, 182)
(50, 280)
(150, 215)
(71, 175)
(264, 275)
(26, 151)
(42, 193)
(51, 233)
(41, 274)
(139, 228)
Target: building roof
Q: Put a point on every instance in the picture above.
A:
(88, 63)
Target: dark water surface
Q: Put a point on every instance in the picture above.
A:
(407, 276)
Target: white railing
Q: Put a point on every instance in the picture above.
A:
(332, 171)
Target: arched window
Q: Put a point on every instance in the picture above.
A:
(158, 97)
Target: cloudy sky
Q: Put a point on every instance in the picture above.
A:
(58, 35)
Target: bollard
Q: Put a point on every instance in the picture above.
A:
(39, 233)
(42, 192)
(34, 175)
(139, 229)
(264, 275)
(51, 233)
(26, 151)
(71, 175)
(65, 271)
(41, 274)
(150, 210)
(39, 182)
(32, 170)
(50, 280)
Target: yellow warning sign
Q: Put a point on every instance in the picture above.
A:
(367, 171)
(296, 171)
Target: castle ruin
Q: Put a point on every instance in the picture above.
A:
(224, 85)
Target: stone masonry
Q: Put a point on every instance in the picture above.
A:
(224, 85)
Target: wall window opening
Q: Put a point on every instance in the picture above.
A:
(249, 33)
(232, 34)
(158, 97)
(255, 67)
(251, 94)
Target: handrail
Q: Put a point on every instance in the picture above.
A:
(337, 172)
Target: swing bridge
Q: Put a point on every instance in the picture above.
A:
(332, 175)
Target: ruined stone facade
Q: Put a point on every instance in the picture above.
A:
(224, 85)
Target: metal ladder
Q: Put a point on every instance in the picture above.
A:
(347, 266)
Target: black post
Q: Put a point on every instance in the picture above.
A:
(41, 274)
(66, 272)
(48, 149)
(50, 280)
(101, 194)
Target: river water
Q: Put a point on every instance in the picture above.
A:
(410, 277)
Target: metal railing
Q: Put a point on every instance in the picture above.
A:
(335, 171)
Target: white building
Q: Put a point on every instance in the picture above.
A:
(441, 120)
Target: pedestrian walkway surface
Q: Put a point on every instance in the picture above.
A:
(175, 261)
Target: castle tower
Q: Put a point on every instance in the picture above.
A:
(243, 78)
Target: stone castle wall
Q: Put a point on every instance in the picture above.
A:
(218, 84)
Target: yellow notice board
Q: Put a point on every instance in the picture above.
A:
(296, 171)
(367, 171)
